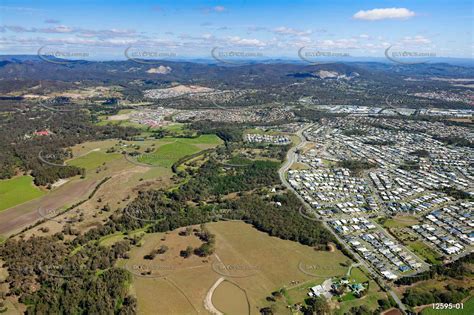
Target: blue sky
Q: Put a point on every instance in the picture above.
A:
(104, 29)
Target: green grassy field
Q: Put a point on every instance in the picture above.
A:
(122, 123)
(93, 160)
(468, 309)
(17, 190)
(170, 153)
(358, 275)
(202, 139)
(177, 128)
(167, 154)
(369, 300)
(425, 251)
(401, 221)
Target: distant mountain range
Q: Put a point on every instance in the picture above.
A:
(467, 62)
(33, 67)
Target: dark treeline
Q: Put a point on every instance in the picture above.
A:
(356, 166)
(49, 281)
(456, 193)
(456, 269)
(281, 218)
(457, 141)
(422, 296)
(210, 181)
(226, 131)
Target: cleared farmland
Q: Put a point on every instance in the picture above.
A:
(253, 260)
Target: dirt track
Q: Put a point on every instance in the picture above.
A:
(15, 219)
(208, 300)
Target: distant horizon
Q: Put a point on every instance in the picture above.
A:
(243, 61)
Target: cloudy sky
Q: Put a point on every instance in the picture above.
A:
(104, 29)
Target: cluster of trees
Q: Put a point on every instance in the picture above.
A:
(186, 252)
(378, 142)
(456, 193)
(422, 296)
(49, 281)
(316, 305)
(226, 131)
(319, 305)
(157, 251)
(420, 153)
(210, 181)
(207, 248)
(209, 242)
(354, 132)
(271, 151)
(383, 304)
(283, 221)
(356, 166)
(361, 310)
(457, 141)
(457, 269)
(410, 165)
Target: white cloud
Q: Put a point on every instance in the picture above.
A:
(416, 40)
(342, 43)
(383, 14)
(236, 40)
(63, 29)
(57, 29)
(291, 31)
